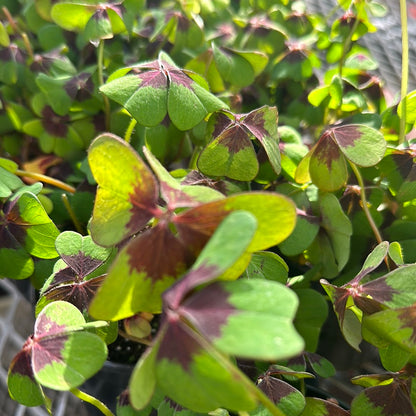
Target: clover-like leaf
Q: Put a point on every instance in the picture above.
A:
(397, 326)
(338, 227)
(60, 354)
(74, 279)
(21, 381)
(223, 311)
(286, 397)
(361, 144)
(267, 265)
(8, 182)
(147, 276)
(275, 214)
(231, 152)
(97, 21)
(25, 230)
(238, 68)
(319, 407)
(389, 399)
(158, 88)
(181, 371)
(327, 166)
(127, 190)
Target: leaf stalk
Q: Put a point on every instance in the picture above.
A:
(93, 401)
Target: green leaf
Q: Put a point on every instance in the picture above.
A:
(320, 407)
(143, 379)
(374, 259)
(361, 144)
(410, 107)
(21, 381)
(389, 400)
(275, 214)
(126, 291)
(39, 231)
(310, 316)
(267, 307)
(226, 156)
(392, 326)
(338, 227)
(8, 182)
(301, 238)
(65, 355)
(327, 166)
(267, 265)
(320, 365)
(396, 253)
(191, 385)
(159, 88)
(140, 274)
(177, 194)
(127, 190)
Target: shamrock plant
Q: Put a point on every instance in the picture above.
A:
(189, 186)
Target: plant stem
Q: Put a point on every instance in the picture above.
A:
(130, 129)
(92, 400)
(46, 179)
(364, 203)
(71, 213)
(100, 67)
(405, 70)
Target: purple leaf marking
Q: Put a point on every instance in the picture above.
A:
(392, 399)
(81, 264)
(326, 150)
(158, 253)
(208, 310)
(179, 343)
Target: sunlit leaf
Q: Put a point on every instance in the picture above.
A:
(127, 190)
(158, 88)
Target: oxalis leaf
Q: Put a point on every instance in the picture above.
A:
(160, 88)
(143, 287)
(393, 290)
(60, 355)
(127, 190)
(197, 329)
(73, 279)
(361, 144)
(231, 152)
(97, 21)
(26, 230)
(123, 208)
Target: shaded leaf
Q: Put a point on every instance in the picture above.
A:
(286, 398)
(391, 399)
(267, 265)
(338, 227)
(320, 407)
